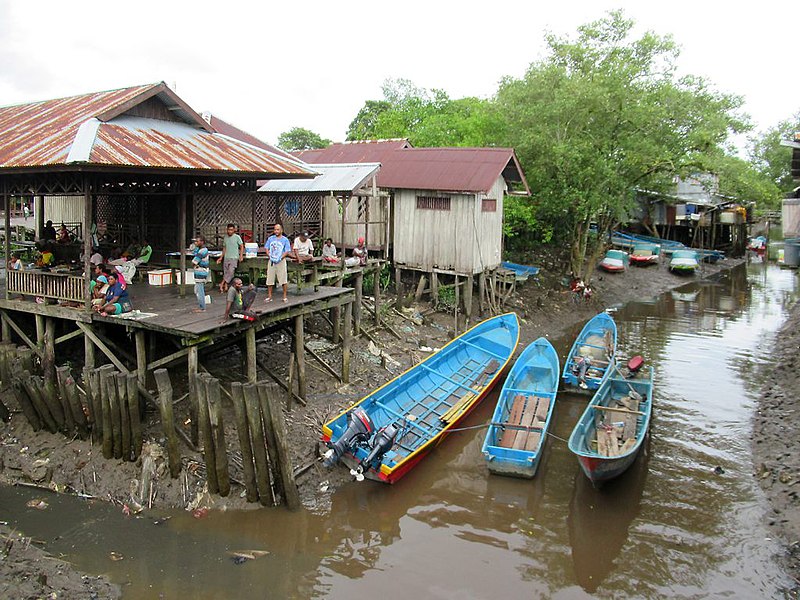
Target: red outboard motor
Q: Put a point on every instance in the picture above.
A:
(359, 430)
(634, 365)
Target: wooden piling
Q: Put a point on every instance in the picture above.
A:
(26, 405)
(89, 358)
(258, 443)
(376, 293)
(300, 356)
(25, 359)
(347, 340)
(398, 287)
(60, 393)
(420, 288)
(218, 435)
(468, 293)
(134, 413)
(251, 364)
(204, 426)
(125, 414)
(274, 416)
(141, 359)
(32, 385)
(168, 420)
(114, 410)
(359, 289)
(336, 315)
(455, 311)
(290, 381)
(91, 388)
(269, 438)
(69, 390)
(481, 293)
(49, 353)
(243, 433)
(434, 289)
(105, 408)
(192, 367)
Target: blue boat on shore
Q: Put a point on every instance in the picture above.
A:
(521, 272)
(592, 353)
(387, 433)
(611, 430)
(684, 262)
(515, 440)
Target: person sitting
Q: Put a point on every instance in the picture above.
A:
(63, 235)
(303, 248)
(14, 263)
(329, 252)
(49, 232)
(145, 252)
(99, 288)
(116, 301)
(45, 258)
(359, 257)
(132, 251)
(239, 301)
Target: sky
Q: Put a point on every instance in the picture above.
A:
(267, 67)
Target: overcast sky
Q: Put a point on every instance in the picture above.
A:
(267, 67)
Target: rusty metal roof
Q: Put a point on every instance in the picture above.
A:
(439, 169)
(344, 177)
(98, 130)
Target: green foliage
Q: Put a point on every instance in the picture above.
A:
(447, 297)
(742, 180)
(771, 159)
(299, 138)
(385, 278)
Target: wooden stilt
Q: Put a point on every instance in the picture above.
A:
(33, 387)
(89, 359)
(141, 357)
(243, 433)
(93, 404)
(168, 420)
(336, 316)
(420, 288)
(376, 293)
(116, 415)
(468, 294)
(252, 365)
(300, 356)
(434, 289)
(26, 404)
(481, 293)
(347, 340)
(62, 373)
(359, 285)
(284, 458)
(134, 413)
(204, 425)
(218, 435)
(194, 432)
(290, 381)
(125, 414)
(269, 437)
(108, 431)
(398, 287)
(6, 330)
(455, 311)
(259, 444)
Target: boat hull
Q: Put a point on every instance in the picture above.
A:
(598, 326)
(600, 470)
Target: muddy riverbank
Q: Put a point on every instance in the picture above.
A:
(544, 306)
(776, 447)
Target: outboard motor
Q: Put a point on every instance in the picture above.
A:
(359, 429)
(383, 442)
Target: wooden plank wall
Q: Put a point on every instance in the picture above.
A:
(332, 222)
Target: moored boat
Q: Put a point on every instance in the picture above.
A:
(515, 440)
(592, 353)
(521, 272)
(615, 261)
(645, 254)
(389, 431)
(683, 261)
(609, 434)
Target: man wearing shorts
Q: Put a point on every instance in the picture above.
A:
(278, 248)
(232, 255)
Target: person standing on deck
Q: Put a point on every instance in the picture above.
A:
(200, 264)
(278, 248)
(232, 255)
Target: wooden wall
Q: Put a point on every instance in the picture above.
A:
(332, 220)
(464, 239)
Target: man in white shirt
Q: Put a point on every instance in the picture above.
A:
(303, 248)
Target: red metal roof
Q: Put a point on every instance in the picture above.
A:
(93, 129)
(441, 169)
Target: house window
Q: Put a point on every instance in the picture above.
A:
(433, 202)
(489, 205)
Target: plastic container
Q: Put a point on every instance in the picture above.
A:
(160, 277)
(791, 252)
(189, 277)
(250, 250)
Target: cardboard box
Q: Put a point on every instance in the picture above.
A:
(189, 277)
(160, 277)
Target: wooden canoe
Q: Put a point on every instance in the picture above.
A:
(515, 440)
(611, 430)
(598, 340)
(431, 398)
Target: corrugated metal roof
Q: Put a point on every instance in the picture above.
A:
(92, 129)
(344, 177)
(440, 169)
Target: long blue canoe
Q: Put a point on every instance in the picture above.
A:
(521, 272)
(516, 436)
(610, 432)
(388, 432)
(597, 341)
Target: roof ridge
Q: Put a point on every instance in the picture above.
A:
(60, 98)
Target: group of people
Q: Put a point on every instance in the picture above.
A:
(110, 291)
(279, 250)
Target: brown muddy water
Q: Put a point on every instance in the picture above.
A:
(669, 527)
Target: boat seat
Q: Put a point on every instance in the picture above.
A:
(525, 420)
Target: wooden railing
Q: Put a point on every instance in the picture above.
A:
(59, 286)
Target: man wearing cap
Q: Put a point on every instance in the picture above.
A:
(278, 248)
(303, 248)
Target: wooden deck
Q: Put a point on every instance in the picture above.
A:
(163, 310)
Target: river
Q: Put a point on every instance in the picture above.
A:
(686, 521)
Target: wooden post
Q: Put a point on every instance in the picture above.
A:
(243, 433)
(89, 359)
(398, 287)
(218, 435)
(193, 395)
(300, 356)
(39, 330)
(62, 373)
(87, 244)
(7, 229)
(481, 293)
(252, 366)
(134, 413)
(290, 381)
(275, 418)
(91, 385)
(168, 420)
(455, 333)
(420, 288)
(468, 293)
(347, 340)
(357, 304)
(204, 425)
(124, 414)
(108, 432)
(182, 242)
(259, 444)
(6, 329)
(376, 293)
(336, 314)
(26, 404)
(37, 399)
(434, 289)
(116, 415)
(141, 357)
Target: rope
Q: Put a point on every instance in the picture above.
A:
(552, 435)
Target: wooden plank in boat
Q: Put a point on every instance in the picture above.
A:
(532, 443)
(515, 414)
(526, 421)
(629, 443)
(607, 442)
(629, 420)
(542, 406)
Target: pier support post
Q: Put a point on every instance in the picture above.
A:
(434, 288)
(6, 330)
(468, 297)
(49, 352)
(299, 352)
(89, 358)
(357, 304)
(250, 350)
(141, 357)
(398, 286)
(481, 293)
(376, 293)
(336, 315)
(193, 395)
(347, 340)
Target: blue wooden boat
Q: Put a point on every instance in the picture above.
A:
(521, 272)
(611, 430)
(683, 261)
(596, 341)
(389, 431)
(644, 255)
(615, 261)
(516, 436)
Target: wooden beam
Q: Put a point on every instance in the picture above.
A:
(87, 244)
(163, 362)
(182, 241)
(347, 340)
(141, 356)
(68, 336)
(102, 346)
(49, 352)
(252, 365)
(280, 382)
(300, 356)
(357, 305)
(7, 320)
